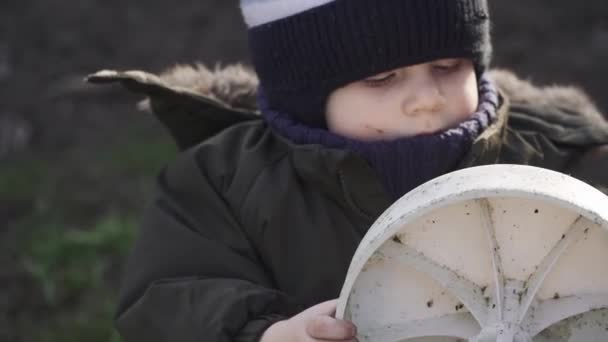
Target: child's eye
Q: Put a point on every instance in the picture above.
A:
(447, 66)
(379, 81)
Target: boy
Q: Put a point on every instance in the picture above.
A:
(255, 224)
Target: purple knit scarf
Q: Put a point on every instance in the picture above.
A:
(405, 163)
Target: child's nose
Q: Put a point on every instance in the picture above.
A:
(424, 99)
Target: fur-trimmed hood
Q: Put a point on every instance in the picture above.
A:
(188, 96)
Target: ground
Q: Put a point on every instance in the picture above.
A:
(77, 162)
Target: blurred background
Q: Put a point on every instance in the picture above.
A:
(77, 162)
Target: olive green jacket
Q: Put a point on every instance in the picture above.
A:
(248, 228)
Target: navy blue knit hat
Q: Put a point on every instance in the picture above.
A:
(303, 50)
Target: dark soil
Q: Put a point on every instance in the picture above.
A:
(72, 155)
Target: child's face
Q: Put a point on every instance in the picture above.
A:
(409, 101)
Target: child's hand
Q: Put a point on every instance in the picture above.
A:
(314, 324)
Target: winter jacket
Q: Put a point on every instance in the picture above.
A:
(247, 228)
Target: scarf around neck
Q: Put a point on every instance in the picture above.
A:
(401, 164)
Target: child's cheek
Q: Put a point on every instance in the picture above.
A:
(350, 113)
(471, 95)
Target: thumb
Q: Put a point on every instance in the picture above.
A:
(327, 328)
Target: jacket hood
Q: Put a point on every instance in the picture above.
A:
(210, 100)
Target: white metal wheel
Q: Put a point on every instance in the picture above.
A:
(491, 253)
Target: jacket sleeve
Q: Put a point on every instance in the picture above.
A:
(192, 274)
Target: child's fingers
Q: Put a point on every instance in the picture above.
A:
(328, 328)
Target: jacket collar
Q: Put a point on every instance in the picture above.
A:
(487, 147)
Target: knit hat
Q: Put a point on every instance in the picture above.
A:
(303, 50)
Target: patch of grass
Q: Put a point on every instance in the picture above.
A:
(67, 262)
(70, 266)
(69, 251)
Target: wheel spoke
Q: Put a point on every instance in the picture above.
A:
(499, 279)
(575, 232)
(552, 311)
(469, 293)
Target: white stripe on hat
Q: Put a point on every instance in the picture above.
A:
(259, 12)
